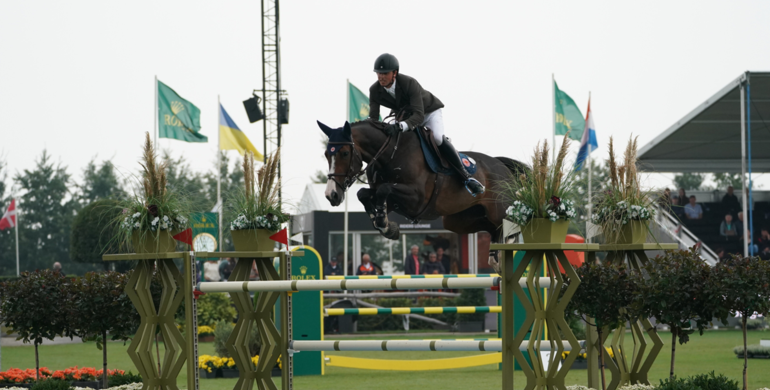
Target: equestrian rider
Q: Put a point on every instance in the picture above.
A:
(398, 91)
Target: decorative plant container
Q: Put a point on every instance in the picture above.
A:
(203, 373)
(252, 240)
(153, 242)
(543, 230)
(634, 232)
(229, 373)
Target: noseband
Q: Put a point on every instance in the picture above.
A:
(351, 176)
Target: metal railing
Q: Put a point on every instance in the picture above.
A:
(674, 228)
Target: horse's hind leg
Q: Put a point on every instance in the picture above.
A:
(388, 229)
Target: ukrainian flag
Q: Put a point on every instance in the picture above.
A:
(232, 138)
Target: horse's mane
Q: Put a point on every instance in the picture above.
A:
(370, 122)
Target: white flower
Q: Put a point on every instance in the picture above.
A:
(137, 215)
(136, 225)
(165, 218)
(155, 221)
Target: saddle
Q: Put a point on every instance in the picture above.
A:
(436, 162)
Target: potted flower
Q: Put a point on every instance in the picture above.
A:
(210, 366)
(623, 210)
(229, 369)
(257, 208)
(541, 203)
(205, 334)
(149, 219)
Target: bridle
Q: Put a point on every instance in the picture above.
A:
(350, 177)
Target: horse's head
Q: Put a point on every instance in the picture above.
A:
(344, 162)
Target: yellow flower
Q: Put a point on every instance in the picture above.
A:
(205, 330)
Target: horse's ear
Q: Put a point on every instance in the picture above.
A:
(346, 130)
(326, 129)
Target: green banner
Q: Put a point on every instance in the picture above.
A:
(358, 104)
(178, 118)
(205, 230)
(568, 115)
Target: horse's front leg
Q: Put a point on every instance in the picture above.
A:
(366, 197)
(387, 228)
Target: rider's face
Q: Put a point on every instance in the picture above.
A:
(386, 79)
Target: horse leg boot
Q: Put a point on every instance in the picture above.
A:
(366, 198)
(388, 229)
(450, 154)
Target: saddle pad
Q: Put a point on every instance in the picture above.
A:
(434, 162)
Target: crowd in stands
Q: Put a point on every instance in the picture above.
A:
(720, 224)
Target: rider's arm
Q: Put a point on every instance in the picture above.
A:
(374, 105)
(414, 91)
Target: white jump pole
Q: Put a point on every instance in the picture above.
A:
(411, 345)
(355, 284)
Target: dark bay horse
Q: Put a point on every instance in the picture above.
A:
(400, 181)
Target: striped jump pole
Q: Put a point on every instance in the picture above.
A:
(363, 284)
(413, 310)
(493, 345)
(349, 277)
(398, 345)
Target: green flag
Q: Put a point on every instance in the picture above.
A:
(568, 115)
(358, 104)
(178, 118)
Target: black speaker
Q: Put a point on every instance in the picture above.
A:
(252, 108)
(283, 111)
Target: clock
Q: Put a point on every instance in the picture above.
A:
(204, 242)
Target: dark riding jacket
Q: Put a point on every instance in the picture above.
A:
(409, 94)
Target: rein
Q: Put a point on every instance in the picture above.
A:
(350, 176)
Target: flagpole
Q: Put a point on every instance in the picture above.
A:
(16, 209)
(219, 174)
(553, 116)
(345, 233)
(155, 110)
(590, 203)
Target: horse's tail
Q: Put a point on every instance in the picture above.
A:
(516, 167)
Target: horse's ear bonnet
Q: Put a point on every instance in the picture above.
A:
(336, 136)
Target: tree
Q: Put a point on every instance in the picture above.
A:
(100, 182)
(599, 178)
(93, 232)
(724, 180)
(100, 305)
(605, 294)
(741, 285)
(319, 177)
(47, 209)
(7, 236)
(231, 182)
(689, 181)
(675, 294)
(182, 180)
(36, 307)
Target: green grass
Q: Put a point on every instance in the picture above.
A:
(712, 351)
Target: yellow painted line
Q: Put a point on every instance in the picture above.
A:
(414, 365)
(434, 310)
(401, 310)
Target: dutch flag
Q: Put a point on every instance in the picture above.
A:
(589, 138)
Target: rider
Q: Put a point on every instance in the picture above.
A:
(397, 91)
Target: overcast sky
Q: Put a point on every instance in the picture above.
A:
(76, 78)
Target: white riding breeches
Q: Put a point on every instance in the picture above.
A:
(435, 122)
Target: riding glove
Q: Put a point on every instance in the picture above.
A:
(392, 129)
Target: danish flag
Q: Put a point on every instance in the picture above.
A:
(9, 218)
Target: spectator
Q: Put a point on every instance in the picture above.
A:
(730, 201)
(765, 254)
(226, 267)
(728, 229)
(753, 248)
(739, 224)
(764, 239)
(412, 262)
(721, 254)
(211, 270)
(333, 267)
(57, 268)
(681, 198)
(444, 259)
(366, 267)
(433, 266)
(665, 200)
(693, 211)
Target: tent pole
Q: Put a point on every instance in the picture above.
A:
(743, 170)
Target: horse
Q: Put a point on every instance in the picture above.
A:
(401, 181)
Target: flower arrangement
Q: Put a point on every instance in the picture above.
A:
(545, 192)
(17, 375)
(623, 201)
(258, 205)
(155, 208)
(205, 331)
(210, 363)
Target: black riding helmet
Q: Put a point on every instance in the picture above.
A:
(385, 63)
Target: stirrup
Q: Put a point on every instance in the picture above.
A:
(472, 180)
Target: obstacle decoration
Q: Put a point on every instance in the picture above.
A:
(413, 310)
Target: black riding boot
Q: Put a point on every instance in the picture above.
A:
(450, 154)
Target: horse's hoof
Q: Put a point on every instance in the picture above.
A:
(391, 232)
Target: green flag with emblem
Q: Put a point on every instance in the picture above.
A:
(178, 118)
(567, 115)
(358, 104)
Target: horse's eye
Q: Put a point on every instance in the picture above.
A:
(345, 154)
